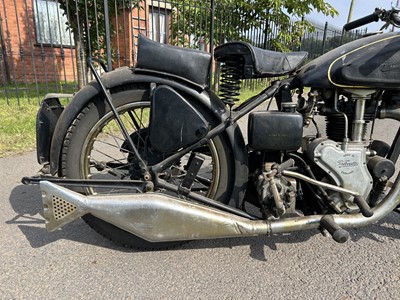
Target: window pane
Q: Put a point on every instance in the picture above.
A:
(152, 24)
(50, 24)
(161, 27)
(157, 26)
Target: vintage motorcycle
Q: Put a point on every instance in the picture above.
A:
(150, 157)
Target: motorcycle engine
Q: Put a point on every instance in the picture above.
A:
(345, 158)
(345, 165)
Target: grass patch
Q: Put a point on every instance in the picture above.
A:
(247, 93)
(17, 127)
(19, 104)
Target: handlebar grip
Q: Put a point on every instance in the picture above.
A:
(361, 22)
(396, 18)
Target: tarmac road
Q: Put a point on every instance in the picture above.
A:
(77, 263)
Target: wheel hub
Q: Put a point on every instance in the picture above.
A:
(148, 153)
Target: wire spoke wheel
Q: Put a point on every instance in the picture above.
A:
(95, 148)
(106, 154)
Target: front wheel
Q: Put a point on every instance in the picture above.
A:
(94, 148)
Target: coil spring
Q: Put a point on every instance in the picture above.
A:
(231, 72)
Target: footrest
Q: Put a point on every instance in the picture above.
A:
(194, 165)
(338, 233)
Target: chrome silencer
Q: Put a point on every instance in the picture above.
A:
(154, 217)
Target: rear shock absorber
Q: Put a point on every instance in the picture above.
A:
(231, 73)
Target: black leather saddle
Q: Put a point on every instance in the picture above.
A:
(189, 64)
(260, 63)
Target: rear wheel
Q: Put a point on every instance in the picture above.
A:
(94, 148)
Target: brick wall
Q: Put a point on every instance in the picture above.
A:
(22, 58)
(128, 24)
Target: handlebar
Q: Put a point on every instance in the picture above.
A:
(388, 16)
(363, 21)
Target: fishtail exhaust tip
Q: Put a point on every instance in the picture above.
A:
(59, 205)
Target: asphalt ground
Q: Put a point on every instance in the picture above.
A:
(77, 263)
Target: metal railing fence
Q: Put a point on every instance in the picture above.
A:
(44, 43)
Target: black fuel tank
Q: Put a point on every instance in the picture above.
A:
(369, 62)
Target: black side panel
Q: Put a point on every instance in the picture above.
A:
(174, 122)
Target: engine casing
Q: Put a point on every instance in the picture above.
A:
(345, 164)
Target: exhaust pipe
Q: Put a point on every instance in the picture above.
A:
(154, 217)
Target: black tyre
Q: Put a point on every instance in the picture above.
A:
(94, 148)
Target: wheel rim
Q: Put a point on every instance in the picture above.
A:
(102, 157)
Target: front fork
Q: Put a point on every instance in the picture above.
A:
(358, 120)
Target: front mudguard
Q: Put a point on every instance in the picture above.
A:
(124, 76)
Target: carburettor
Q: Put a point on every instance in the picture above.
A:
(277, 193)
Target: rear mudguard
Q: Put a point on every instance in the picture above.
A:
(125, 75)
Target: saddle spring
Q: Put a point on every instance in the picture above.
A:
(231, 73)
